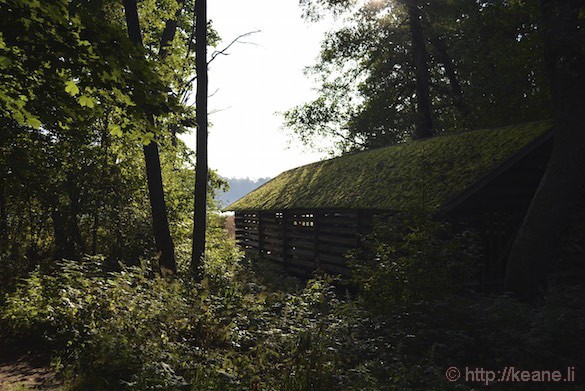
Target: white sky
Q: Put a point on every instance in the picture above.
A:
(254, 82)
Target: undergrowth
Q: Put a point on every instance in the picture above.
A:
(247, 327)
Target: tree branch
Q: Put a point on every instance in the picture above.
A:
(223, 51)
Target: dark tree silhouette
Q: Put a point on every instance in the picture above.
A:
(160, 223)
(200, 213)
(424, 121)
(534, 249)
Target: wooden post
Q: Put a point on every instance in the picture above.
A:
(316, 239)
(260, 233)
(284, 237)
(358, 228)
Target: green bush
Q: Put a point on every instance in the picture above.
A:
(131, 329)
(411, 258)
(122, 325)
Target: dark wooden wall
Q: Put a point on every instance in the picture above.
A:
(497, 210)
(304, 240)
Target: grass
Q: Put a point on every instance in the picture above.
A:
(426, 172)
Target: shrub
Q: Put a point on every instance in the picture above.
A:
(411, 258)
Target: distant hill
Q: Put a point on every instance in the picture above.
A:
(239, 187)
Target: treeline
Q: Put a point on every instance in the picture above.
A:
(239, 187)
(394, 70)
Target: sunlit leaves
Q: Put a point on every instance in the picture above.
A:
(33, 122)
(86, 101)
(147, 138)
(63, 65)
(71, 88)
(115, 130)
(122, 97)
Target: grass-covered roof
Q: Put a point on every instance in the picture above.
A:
(425, 173)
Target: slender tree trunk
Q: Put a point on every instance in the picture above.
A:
(94, 231)
(536, 244)
(162, 233)
(3, 214)
(458, 98)
(424, 121)
(170, 30)
(73, 216)
(200, 213)
(64, 248)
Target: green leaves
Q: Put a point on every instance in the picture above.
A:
(86, 101)
(147, 138)
(71, 88)
(5, 62)
(33, 122)
(115, 130)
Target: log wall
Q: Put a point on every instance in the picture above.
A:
(303, 241)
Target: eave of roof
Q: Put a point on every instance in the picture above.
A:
(423, 174)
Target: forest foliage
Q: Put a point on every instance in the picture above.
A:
(485, 60)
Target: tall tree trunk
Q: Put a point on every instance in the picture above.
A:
(170, 30)
(443, 56)
(200, 213)
(536, 244)
(73, 215)
(3, 214)
(162, 233)
(64, 247)
(94, 230)
(424, 121)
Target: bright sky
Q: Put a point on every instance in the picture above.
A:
(254, 82)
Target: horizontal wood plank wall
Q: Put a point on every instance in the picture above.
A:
(303, 240)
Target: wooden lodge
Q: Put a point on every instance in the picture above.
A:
(309, 217)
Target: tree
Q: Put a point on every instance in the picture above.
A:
(72, 87)
(424, 121)
(200, 211)
(160, 223)
(534, 249)
(483, 65)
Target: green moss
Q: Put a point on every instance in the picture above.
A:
(425, 173)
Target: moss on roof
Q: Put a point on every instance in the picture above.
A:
(425, 173)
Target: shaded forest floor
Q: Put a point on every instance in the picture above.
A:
(23, 370)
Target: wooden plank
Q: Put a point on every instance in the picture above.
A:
(334, 249)
(307, 252)
(272, 240)
(336, 259)
(301, 242)
(340, 220)
(252, 243)
(340, 213)
(339, 230)
(272, 220)
(275, 258)
(253, 235)
(348, 241)
(273, 232)
(302, 262)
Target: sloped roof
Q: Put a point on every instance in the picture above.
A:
(418, 174)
